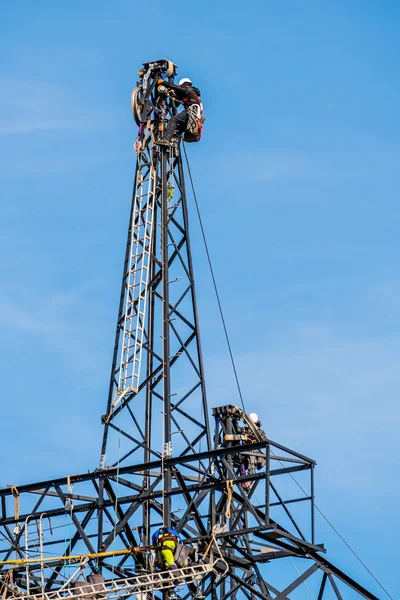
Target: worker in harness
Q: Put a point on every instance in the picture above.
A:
(256, 459)
(165, 541)
(172, 554)
(190, 120)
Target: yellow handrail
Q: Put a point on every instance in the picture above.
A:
(78, 557)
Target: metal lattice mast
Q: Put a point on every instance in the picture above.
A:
(157, 369)
(236, 500)
(157, 327)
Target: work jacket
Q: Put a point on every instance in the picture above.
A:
(187, 95)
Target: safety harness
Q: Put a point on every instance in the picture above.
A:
(195, 122)
(181, 552)
(164, 537)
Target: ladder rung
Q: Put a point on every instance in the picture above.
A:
(120, 588)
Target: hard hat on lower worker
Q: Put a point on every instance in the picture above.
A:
(253, 417)
(185, 80)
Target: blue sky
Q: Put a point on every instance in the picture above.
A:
(298, 181)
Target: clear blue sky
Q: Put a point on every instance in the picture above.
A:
(298, 180)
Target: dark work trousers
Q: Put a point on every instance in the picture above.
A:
(176, 125)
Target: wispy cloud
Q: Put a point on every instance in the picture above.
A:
(280, 166)
(53, 165)
(56, 352)
(260, 166)
(28, 107)
(60, 322)
(35, 125)
(257, 167)
(273, 166)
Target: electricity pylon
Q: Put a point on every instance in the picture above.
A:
(245, 502)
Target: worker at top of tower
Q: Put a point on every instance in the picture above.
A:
(190, 120)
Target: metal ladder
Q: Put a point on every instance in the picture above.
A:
(133, 586)
(142, 232)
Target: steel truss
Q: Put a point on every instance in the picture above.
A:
(234, 493)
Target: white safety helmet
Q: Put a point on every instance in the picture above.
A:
(253, 417)
(185, 80)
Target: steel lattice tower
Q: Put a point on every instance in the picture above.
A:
(246, 502)
(157, 384)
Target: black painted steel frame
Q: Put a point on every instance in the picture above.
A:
(197, 491)
(88, 501)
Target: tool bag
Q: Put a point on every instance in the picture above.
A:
(80, 586)
(97, 581)
(181, 554)
(195, 123)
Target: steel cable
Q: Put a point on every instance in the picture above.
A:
(214, 281)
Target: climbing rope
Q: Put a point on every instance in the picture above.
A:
(162, 468)
(208, 550)
(170, 181)
(229, 493)
(70, 505)
(15, 493)
(304, 583)
(116, 487)
(8, 580)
